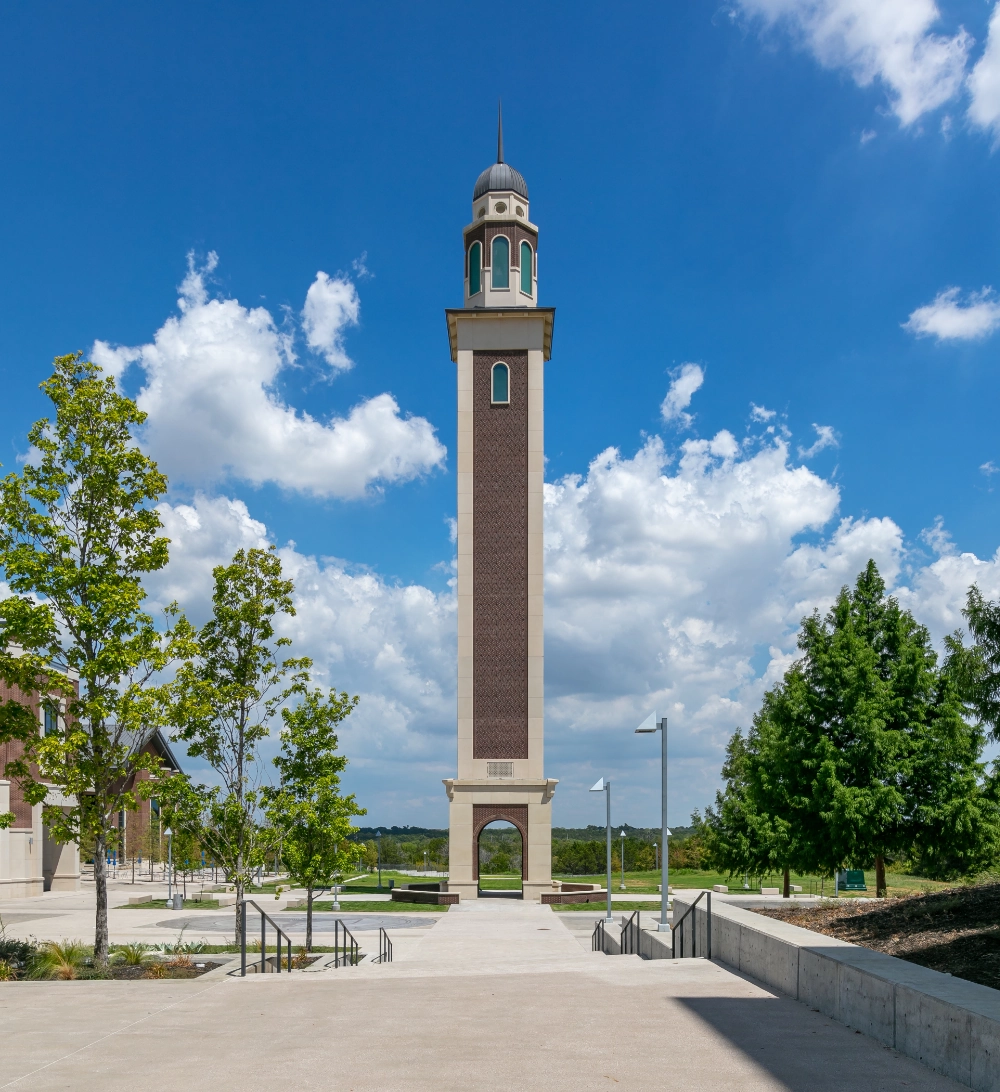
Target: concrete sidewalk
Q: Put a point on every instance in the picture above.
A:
(496, 996)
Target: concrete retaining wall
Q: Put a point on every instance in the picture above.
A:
(552, 898)
(436, 898)
(949, 1024)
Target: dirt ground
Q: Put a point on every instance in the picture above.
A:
(956, 931)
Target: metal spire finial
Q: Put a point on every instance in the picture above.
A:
(499, 131)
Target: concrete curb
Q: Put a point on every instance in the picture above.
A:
(950, 1025)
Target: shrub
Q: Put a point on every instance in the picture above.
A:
(16, 954)
(132, 955)
(156, 970)
(55, 960)
(7, 971)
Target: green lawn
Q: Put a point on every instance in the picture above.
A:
(369, 884)
(601, 907)
(501, 883)
(645, 882)
(375, 907)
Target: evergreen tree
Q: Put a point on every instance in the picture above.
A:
(863, 752)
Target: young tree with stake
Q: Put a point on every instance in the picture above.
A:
(78, 532)
(312, 818)
(225, 699)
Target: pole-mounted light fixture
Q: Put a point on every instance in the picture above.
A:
(170, 866)
(605, 787)
(648, 726)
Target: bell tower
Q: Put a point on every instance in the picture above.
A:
(500, 340)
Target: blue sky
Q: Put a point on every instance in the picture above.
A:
(781, 204)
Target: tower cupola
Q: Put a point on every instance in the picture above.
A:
(501, 243)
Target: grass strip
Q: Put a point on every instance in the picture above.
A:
(601, 907)
(373, 907)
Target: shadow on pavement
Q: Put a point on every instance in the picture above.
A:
(809, 1052)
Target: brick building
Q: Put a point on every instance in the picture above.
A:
(31, 860)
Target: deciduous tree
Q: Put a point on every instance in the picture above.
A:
(225, 698)
(306, 809)
(78, 532)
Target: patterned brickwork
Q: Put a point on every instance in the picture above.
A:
(484, 814)
(500, 562)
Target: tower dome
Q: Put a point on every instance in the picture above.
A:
(501, 176)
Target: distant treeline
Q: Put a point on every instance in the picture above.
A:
(587, 856)
(576, 851)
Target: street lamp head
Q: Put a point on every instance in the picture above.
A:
(645, 731)
(168, 832)
(600, 786)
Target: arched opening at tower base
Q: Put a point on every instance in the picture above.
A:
(500, 860)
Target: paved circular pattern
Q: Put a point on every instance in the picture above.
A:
(296, 923)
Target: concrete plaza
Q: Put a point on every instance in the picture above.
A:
(494, 994)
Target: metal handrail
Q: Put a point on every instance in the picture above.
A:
(264, 921)
(679, 930)
(384, 946)
(597, 937)
(630, 935)
(350, 945)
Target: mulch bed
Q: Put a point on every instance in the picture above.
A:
(956, 931)
(123, 971)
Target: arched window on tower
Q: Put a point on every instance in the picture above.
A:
(501, 384)
(526, 268)
(475, 268)
(501, 262)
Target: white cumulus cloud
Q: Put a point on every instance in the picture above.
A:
(825, 437)
(687, 379)
(215, 413)
(949, 318)
(331, 306)
(892, 41)
(394, 645)
(984, 81)
(675, 580)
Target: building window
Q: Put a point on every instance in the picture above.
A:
(526, 268)
(501, 262)
(51, 721)
(475, 268)
(501, 383)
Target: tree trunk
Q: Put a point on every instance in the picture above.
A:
(101, 884)
(881, 891)
(309, 918)
(787, 891)
(240, 910)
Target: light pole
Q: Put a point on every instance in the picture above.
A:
(336, 886)
(425, 860)
(605, 787)
(622, 888)
(656, 857)
(170, 865)
(650, 724)
(378, 843)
